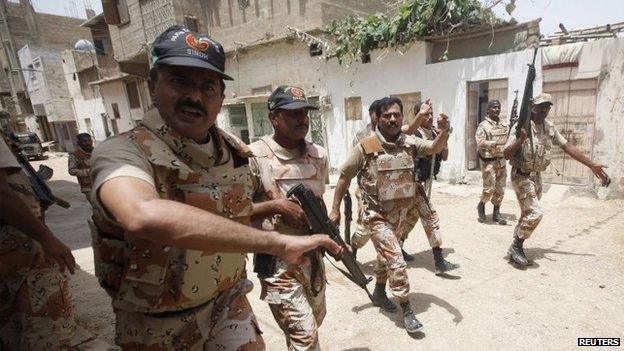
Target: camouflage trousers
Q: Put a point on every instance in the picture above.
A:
(297, 302)
(359, 226)
(494, 179)
(403, 219)
(528, 192)
(35, 307)
(390, 265)
(226, 323)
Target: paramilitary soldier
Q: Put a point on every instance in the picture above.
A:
(35, 306)
(172, 203)
(427, 131)
(78, 162)
(491, 138)
(526, 171)
(295, 293)
(389, 191)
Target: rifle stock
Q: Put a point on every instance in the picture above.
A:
(316, 212)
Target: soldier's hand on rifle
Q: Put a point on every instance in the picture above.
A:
(59, 252)
(292, 213)
(334, 216)
(294, 247)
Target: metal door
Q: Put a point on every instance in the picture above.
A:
(573, 113)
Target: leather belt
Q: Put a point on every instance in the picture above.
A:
(526, 174)
(490, 159)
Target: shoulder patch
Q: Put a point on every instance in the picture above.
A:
(371, 145)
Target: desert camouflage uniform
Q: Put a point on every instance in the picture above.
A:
(35, 306)
(491, 138)
(389, 193)
(78, 166)
(423, 206)
(361, 134)
(296, 294)
(526, 175)
(166, 297)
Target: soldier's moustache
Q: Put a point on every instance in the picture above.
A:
(189, 103)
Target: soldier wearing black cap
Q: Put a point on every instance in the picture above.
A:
(167, 197)
(295, 293)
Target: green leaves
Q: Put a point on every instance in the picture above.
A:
(412, 21)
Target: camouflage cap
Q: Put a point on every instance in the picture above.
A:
(542, 98)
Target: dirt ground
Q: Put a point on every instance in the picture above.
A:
(574, 289)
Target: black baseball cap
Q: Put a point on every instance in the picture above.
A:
(179, 46)
(289, 98)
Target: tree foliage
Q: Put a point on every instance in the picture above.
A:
(413, 20)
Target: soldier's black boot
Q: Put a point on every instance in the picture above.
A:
(380, 299)
(516, 253)
(442, 265)
(481, 211)
(497, 217)
(412, 325)
(407, 257)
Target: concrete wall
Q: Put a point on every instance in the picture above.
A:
(115, 92)
(604, 60)
(278, 64)
(446, 84)
(83, 108)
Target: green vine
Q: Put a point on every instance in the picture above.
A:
(413, 20)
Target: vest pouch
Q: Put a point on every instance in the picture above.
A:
(108, 258)
(230, 200)
(289, 175)
(395, 177)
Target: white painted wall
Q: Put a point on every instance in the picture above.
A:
(604, 59)
(446, 84)
(91, 108)
(115, 92)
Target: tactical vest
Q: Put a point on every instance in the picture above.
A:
(278, 174)
(83, 159)
(144, 276)
(388, 174)
(494, 132)
(539, 160)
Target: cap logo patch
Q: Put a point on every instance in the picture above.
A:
(297, 93)
(197, 44)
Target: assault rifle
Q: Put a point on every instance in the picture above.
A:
(348, 214)
(524, 119)
(41, 189)
(513, 116)
(316, 212)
